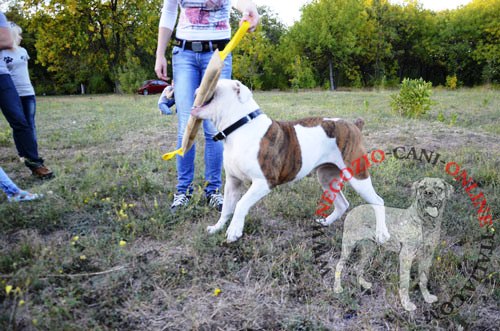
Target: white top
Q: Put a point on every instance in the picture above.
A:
(198, 19)
(16, 60)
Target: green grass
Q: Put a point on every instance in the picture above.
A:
(111, 185)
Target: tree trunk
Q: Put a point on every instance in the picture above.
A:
(332, 83)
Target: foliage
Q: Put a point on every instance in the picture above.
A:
(131, 76)
(256, 60)
(413, 99)
(452, 82)
(75, 36)
(303, 75)
(335, 43)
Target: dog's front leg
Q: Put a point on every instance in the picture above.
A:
(232, 192)
(257, 191)
(424, 266)
(406, 256)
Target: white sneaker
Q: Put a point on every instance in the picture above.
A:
(215, 200)
(24, 196)
(180, 200)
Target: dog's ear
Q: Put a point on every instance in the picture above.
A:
(244, 94)
(449, 189)
(414, 188)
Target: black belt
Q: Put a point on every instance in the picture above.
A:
(201, 46)
(242, 121)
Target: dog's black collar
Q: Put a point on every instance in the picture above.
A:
(242, 121)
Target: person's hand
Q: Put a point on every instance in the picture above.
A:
(161, 67)
(252, 16)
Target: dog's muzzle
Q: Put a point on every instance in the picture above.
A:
(431, 202)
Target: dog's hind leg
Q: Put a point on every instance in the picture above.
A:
(365, 189)
(232, 192)
(327, 174)
(341, 205)
(257, 191)
(347, 247)
(367, 249)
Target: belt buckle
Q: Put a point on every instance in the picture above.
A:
(197, 46)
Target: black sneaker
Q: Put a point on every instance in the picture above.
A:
(215, 200)
(180, 200)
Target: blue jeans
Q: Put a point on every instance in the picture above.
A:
(165, 107)
(7, 185)
(29, 110)
(22, 131)
(188, 70)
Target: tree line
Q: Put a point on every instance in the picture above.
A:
(103, 46)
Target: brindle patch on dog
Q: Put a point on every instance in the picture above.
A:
(280, 167)
(277, 165)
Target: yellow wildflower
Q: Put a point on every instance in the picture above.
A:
(217, 291)
(8, 288)
(123, 243)
(122, 214)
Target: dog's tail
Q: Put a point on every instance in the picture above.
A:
(359, 122)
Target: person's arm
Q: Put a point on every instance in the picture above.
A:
(164, 36)
(249, 11)
(5, 35)
(166, 26)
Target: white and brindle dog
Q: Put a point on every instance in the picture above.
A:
(268, 153)
(414, 232)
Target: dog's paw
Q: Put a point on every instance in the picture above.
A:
(337, 289)
(213, 229)
(409, 306)
(233, 234)
(430, 298)
(322, 221)
(382, 236)
(365, 284)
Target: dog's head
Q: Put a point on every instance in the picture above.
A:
(231, 99)
(430, 196)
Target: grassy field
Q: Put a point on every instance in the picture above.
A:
(102, 251)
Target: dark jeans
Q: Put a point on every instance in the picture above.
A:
(23, 133)
(29, 109)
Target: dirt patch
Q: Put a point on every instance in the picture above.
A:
(432, 136)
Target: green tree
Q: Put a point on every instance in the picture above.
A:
(327, 35)
(255, 60)
(76, 39)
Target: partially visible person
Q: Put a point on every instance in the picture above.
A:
(202, 27)
(14, 193)
(19, 114)
(166, 100)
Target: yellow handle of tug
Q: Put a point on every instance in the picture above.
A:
(235, 40)
(169, 155)
(228, 49)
